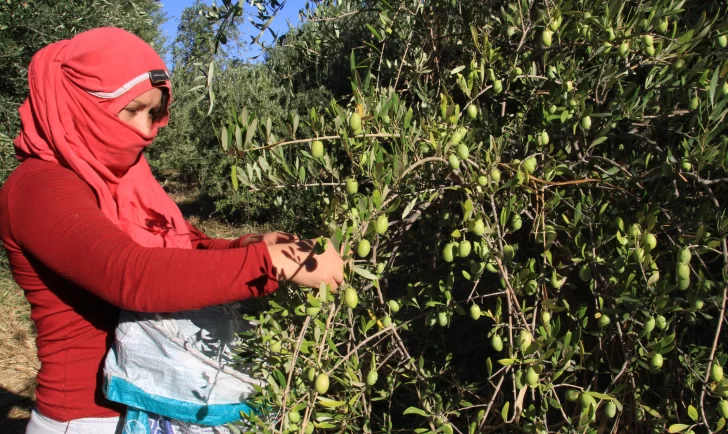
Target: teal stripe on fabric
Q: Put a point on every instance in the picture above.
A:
(120, 390)
(136, 422)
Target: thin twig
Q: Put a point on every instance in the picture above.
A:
(293, 364)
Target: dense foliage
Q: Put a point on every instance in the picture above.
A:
(531, 196)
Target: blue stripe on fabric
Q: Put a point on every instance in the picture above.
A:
(136, 422)
(120, 390)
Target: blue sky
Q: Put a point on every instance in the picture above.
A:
(289, 13)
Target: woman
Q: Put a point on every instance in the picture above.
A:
(88, 231)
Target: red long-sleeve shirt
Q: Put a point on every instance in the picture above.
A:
(78, 270)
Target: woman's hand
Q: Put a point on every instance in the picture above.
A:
(299, 263)
(270, 238)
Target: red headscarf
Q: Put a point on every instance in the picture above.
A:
(77, 88)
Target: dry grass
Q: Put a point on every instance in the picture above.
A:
(200, 211)
(18, 360)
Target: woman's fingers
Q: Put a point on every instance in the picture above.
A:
(285, 237)
(272, 238)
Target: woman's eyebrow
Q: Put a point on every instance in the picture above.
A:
(134, 104)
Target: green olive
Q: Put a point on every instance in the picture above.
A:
(661, 322)
(518, 376)
(649, 325)
(475, 311)
(684, 256)
(524, 340)
(393, 306)
(464, 248)
(723, 409)
(716, 371)
(585, 273)
(682, 270)
(722, 41)
(572, 395)
(317, 149)
(624, 49)
(355, 121)
(586, 122)
(294, 416)
(454, 161)
(657, 361)
(352, 187)
(351, 298)
(544, 138)
(545, 317)
(497, 343)
(516, 222)
(531, 376)
(372, 377)
(508, 253)
(610, 410)
(662, 26)
(635, 231)
(650, 242)
(546, 37)
(363, 248)
(683, 284)
(495, 174)
(322, 383)
(530, 164)
(447, 253)
(463, 152)
(472, 111)
(478, 228)
(381, 224)
(442, 318)
(497, 87)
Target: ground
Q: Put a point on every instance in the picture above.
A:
(18, 361)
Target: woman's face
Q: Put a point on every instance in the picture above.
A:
(144, 111)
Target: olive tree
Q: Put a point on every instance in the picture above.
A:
(530, 199)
